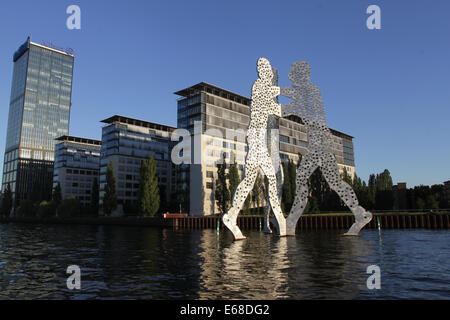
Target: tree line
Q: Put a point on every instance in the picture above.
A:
(378, 193)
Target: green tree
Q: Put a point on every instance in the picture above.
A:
(384, 197)
(222, 193)
(26, 209)
(257, 192)
(7, 201)
(318, 192)
(155, 199)
(361, 191)
(248, 203)
(420, 204)
(110, 197)
(371, 192)
(144, 188)
(149, 198)
(46, 209)
(292, 173)
(346, 177)
(431, 202)
(233, 178)
(289, 185)
(57, 194)
(95, 197)
(69, 208)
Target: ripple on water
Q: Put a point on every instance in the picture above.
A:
(148, 263)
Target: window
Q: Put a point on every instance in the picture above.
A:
(209, 185)
(284, 139)
(209, 174)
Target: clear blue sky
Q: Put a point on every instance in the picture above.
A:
(388, 88)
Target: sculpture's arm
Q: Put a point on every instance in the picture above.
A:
(287, 92)
(275, 109)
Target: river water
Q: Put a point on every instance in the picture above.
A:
(153, 263)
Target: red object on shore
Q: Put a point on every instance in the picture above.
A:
(175, 215)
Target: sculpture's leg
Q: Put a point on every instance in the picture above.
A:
(308, 165)
(269, 171)
(331, 173)
(267, 228)
(280, 179)
(229, 219)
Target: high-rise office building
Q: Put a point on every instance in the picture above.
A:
(217, 109)
(39, 112)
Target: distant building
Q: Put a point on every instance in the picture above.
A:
(39, 112)
(220, 109)
(77, 167)
(125, 143)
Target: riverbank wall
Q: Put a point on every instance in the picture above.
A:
(306, 222)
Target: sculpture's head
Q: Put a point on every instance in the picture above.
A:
(300, 71)
(264, 69)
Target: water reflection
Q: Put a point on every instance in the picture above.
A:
(255, 269)
(268, 267)
(147, 263)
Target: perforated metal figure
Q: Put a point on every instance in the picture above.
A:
(273, 141)
(263, 105)
(307, 104)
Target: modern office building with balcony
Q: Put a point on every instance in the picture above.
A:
(125, 143)
(77, 167)
(216, 110)
(39, 112)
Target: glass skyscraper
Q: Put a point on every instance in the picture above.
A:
(39, 112)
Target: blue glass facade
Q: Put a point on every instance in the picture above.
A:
(39, 112)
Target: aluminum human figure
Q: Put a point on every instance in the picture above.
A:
(258, 158)
(307, 104)
(273, 141)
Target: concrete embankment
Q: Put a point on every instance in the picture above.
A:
(306, 222)
(329, 222)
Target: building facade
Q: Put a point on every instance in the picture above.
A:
(125, 143)
(77, 167)
(39, 112)
(207, 111)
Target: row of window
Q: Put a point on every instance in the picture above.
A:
(82, 172)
